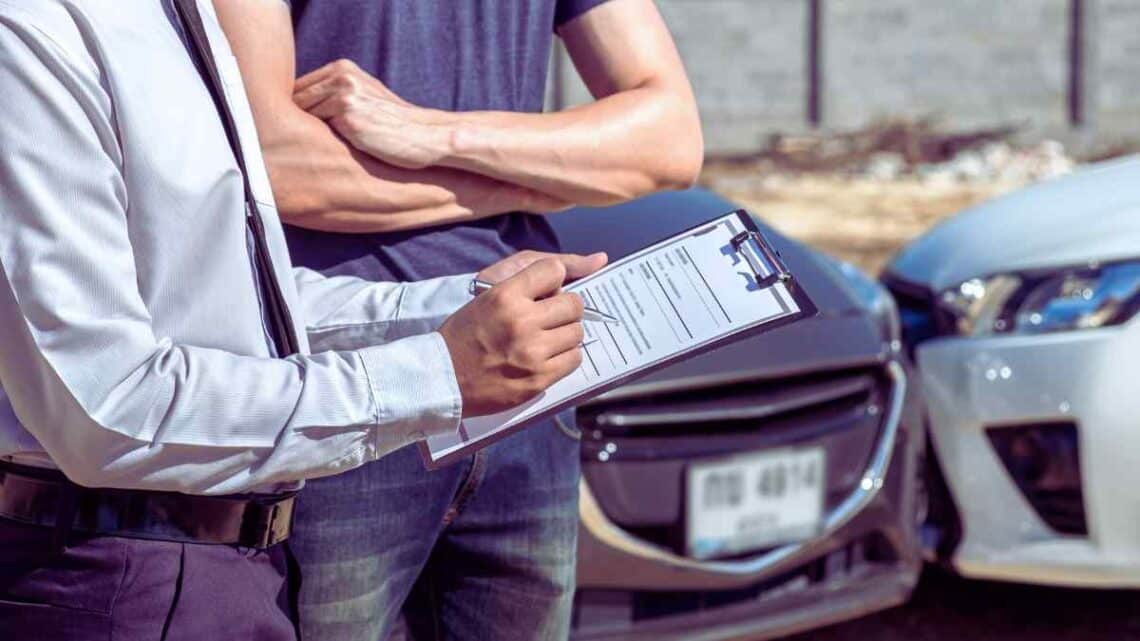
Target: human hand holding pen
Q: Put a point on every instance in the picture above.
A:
(511, 343)
(577, 266)
(588, 313)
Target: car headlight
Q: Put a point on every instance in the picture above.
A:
(1038, 303)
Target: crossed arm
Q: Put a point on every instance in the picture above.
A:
(347, 154)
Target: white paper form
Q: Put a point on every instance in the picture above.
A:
(674, 297)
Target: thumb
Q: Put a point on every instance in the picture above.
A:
(578, 266)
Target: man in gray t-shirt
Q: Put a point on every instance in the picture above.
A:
(440, 161)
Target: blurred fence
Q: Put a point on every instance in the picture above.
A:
(1067, 69)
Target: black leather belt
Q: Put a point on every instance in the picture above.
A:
(47, 498)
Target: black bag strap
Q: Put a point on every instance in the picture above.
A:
(283, 332)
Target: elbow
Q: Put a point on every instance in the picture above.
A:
(82, 472)
(90, 454)
(683, 168)
(675, 163)
(681, 165)
(85, 467)
(674, 169)
(677, 170)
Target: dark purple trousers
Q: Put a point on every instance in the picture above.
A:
(134, 590)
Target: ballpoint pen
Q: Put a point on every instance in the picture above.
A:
(589, 314)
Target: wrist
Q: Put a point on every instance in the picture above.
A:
(462, 149)
(439, 130)
(443, 136)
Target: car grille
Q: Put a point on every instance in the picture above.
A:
(799, 405)
(638, 445)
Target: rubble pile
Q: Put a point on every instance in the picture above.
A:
(899, 148)
(993, 162)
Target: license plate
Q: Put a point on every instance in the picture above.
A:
(756, 501)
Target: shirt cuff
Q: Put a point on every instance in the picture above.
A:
(414, 388)
(426, 304)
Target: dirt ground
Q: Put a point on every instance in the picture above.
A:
(865, 221)
(859, 219)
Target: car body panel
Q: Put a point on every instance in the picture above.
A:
(1080, 377)
(1091, 215)
(867, 557)
(1083, 377)
(778, 616)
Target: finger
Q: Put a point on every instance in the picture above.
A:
(329, 108)
(562, 339)
(560, 310)
(525, 258)
(322, 73)
(564, 364)
(313, 77)
(316, 93)
(578, 266)
(539, 280)
(510, 266)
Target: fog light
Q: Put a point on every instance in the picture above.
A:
(1044, 461)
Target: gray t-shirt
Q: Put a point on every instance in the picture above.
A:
(456, 55)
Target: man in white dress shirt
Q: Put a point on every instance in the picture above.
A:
(167, 378)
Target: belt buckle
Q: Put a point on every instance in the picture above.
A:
(267, 523)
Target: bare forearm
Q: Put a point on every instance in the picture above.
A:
(321, 182)
(625, 145)
(642, 135)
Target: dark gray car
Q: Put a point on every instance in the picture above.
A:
(813, 427)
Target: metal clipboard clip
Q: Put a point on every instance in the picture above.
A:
(758, 252)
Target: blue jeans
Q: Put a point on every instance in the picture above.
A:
(483, 549)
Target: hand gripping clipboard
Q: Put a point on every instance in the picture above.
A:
(710, 285)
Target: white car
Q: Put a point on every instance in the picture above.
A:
(1021, 315)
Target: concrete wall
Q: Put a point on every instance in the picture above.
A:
(748, 85)
(1115, 67)
(971, 63)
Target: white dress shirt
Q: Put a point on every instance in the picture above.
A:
(133, 352)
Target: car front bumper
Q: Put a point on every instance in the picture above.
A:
(1086, 378)
(865, 559)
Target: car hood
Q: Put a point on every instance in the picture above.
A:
(843, 331)
(1092, 215)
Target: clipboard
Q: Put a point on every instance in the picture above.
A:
(748, 249)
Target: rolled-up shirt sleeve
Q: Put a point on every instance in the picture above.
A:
(567, 10)
(113, 403)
